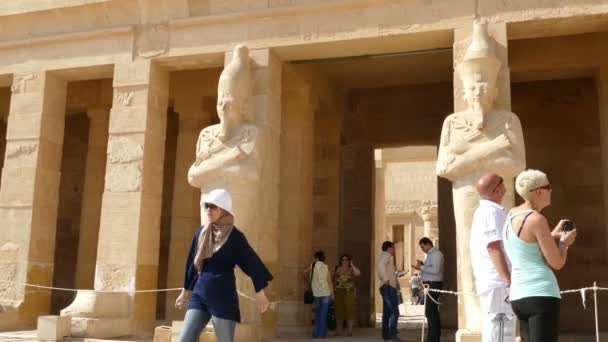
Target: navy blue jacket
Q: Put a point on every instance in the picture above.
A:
(214, 290)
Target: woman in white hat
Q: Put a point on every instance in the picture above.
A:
(209, 280)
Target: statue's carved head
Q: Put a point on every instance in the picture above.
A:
(234, 88)
(479, 72)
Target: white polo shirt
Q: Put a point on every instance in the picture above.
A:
(488, 222)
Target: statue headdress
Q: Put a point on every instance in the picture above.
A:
(235, 79)
(479, 58)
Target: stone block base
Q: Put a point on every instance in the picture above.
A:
(248, 333)
(467, 336)
(101, 327)
(91, 304)
(162, 334)
(9, 320)
(176, 330)
(243, 333)
(53, 328)
(208, 336)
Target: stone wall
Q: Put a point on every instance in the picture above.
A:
(296, 192)
(5, 100)
(411, 181)
(560, 120)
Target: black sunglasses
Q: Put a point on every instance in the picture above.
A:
(210, 206)
(544, 187)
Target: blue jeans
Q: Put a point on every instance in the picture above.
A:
(196, 320)
(321, 305)
(390, 311)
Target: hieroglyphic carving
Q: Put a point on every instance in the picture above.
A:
(20, 83)
(124, 172)
(124, 98)
(152, 40)
(123, 150)
(123, 178)
(17, 151)
(401, 207)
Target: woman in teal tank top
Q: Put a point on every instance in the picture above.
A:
(534, 250)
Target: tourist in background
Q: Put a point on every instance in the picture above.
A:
(209, 282)
(533, 249)
(345, 293)
(322, 288)
(431, 271)
(415, 286)
(490, 265)
(388, 290)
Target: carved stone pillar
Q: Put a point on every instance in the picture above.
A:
(428, 213)
(127, 254)
(602, 91)
(380, 226)
(91, 196)
(185, 213)
(296, 206)
(29, 195)
(263, 234)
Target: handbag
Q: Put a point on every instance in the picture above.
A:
(308, 295)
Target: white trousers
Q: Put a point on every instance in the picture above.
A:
(497, 312)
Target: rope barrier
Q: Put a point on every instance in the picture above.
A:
(582, 291)
(76, 290)
(427, 291)
(270, 304)
(597, 327)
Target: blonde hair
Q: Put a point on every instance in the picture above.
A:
(529, 180)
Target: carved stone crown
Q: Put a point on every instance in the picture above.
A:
(479, 59)
(235, 79)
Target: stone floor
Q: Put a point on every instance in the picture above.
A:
(410, 324)
(359, 335)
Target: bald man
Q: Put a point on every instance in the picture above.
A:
(490, 264)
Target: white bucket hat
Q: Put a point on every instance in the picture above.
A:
(221, 198)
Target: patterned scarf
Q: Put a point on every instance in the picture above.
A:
(212, 234)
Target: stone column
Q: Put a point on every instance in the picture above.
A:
(380, 226)
(127, 253)
(602, 91)
(296, 191)
(428, 213)
(266, 71)
(185, 216)
(464, 193)
(90, 212)
(29, 195)
(413, 245)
